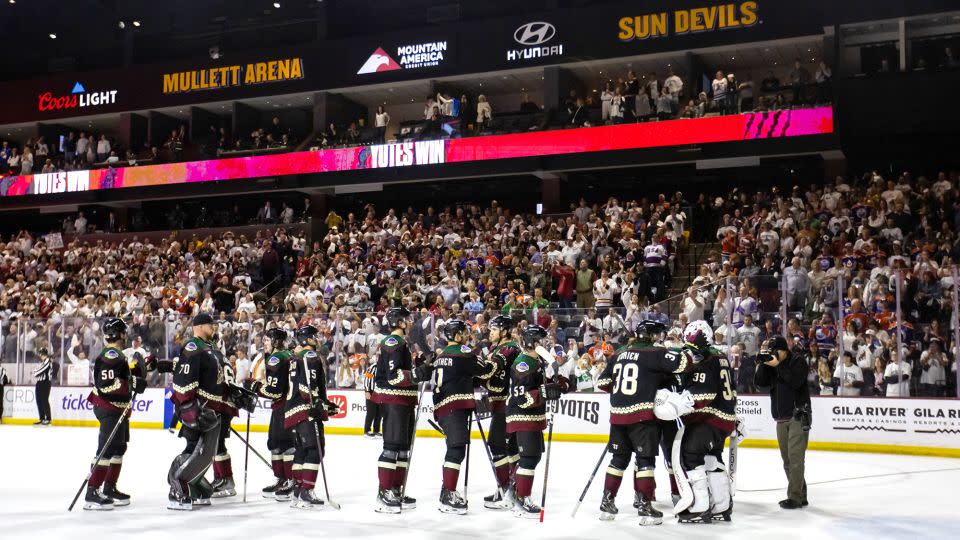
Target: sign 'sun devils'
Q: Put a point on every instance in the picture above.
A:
(688, 21)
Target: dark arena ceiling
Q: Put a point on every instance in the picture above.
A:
(89, 34)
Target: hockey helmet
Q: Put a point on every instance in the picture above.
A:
(649, 330)
(114, 329)
(397, 315)
(531, 335)
(306, 333)
(453, 328)
(278, 337)
(502, 322)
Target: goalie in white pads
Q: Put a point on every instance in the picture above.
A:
(707, 425)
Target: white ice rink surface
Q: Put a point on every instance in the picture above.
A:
(43, 467)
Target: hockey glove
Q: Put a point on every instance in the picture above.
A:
(150, 362)
(138, 384)
(739, 431)
(253, 385)
(422, 372)
(331, 408)
(550, 391)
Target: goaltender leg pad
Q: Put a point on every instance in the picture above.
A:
(683, 483)
(701, 491)
(197, 463)
(718, 484)
(177, 487)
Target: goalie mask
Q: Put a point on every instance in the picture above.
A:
(698, 335)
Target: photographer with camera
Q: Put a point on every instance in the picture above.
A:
(785, 373)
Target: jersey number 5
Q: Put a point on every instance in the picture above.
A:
(626, 377)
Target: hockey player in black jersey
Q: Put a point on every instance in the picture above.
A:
(223, 401)
(713, 417)
(196, 393)
(280, 441)
(395, 389)
(456, 367)
(305, 409)
(503, 351)
(632, 376)
(527, 415)
(114, 387)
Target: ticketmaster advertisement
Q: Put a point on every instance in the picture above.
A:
(917, 426)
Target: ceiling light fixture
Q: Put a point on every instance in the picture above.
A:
(122, 25)
(136, 23)
(53, 36)
(276, 5)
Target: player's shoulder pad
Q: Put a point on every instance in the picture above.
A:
(111, 354)
(522, 366)
(391, 341)
(309, 354)
(465, 349)
(191, 346)
(273, 360)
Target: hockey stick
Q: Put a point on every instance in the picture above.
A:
(683, 483)
(735, 438)
(493, 466)
(251, 448)
(246, 460)
(437, 427)
(106, 446)
(546, 468)
(590, 481)
(413, 440)
(466, 471)
(316, 434)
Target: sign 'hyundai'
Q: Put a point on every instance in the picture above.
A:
(534, 33)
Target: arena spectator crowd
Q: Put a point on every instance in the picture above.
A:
(588, 275)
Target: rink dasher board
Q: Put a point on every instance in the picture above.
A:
(884, 425)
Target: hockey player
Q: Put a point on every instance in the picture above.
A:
(502, 448)
(223, 402)
(196, 392)
(274, 386)
(713, 418)
(527, 415)
(632, 376)
(114, 387)
(395, 389)
(305, 409)
(453, 404)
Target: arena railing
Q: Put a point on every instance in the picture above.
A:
(73, 342)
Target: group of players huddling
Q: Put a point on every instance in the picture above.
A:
(656, 394)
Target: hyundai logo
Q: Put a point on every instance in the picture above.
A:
(534, 33)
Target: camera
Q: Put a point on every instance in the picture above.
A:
(805, 416)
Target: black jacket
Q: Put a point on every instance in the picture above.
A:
(787, 383)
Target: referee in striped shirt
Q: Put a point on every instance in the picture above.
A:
(371, 424)
(43, 374)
